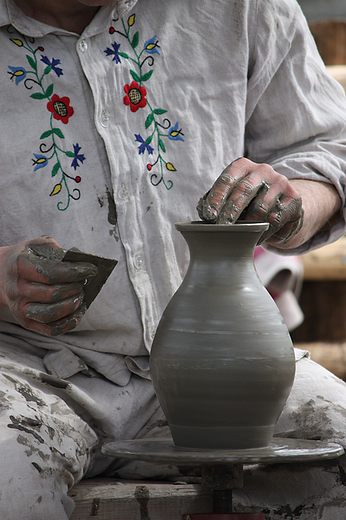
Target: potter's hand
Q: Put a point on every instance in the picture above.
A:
(43, 293)
(254, 192)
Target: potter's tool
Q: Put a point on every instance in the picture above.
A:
(94, 285)
(222, 470)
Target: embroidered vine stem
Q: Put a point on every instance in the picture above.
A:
(160, 145)
(59, 109)
(136, 98)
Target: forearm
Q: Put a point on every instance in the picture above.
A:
(321, 205)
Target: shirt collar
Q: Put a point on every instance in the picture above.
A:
(10, 14)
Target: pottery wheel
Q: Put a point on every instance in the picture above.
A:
(222, 470)
(280, 450)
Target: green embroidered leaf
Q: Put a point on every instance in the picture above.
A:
(149, 120)
(123, 54)
(70, 154)
(135, 40)
(55, 169)
(47, 69)
(161, 145)
(159, 111)
(46, 134)
(147, 76)
(58, 132)
(135, 76)
(38, 95)
(49, 90)
(149, 139)
(32, 62)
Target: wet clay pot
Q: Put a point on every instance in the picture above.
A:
(222, 361)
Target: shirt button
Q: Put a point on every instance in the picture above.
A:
(138, 262)
(104, 119)
(123, 192)
(83, 46)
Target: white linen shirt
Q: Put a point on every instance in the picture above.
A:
(109, 138)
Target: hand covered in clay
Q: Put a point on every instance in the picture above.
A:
(254, 192)
(43, 293)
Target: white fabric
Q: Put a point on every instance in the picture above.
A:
(216, 68)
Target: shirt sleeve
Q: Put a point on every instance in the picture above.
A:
(296, 112)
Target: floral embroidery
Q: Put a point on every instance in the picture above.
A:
(40, 162)
(18, 73)
(137, 98)
(51, 150)
(77, 157)
(60, 108)
(143, 146)
(174, 134)
(114, 52)
(53, 64)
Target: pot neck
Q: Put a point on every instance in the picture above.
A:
(222, 241)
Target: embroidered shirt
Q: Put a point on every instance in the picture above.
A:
(109, 138)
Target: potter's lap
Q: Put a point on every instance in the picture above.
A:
(316, 406)
(44, 448)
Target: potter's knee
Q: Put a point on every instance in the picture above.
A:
(32, 493)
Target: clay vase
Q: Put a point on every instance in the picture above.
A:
(222, 361)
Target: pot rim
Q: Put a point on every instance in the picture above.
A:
(200, 225)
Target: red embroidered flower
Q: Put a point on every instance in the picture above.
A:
(60, 108)
(135, 96)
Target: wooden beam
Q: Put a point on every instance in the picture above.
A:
(339, 73)
(330, 38)
(110, 499)
(331, 356)
(326, 263)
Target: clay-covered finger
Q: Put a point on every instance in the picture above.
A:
(285, 219)
(244, 193)
(44, 293)
(286, 223)
(48, 313)
(212, 203)
(58, 327)
(35, 267)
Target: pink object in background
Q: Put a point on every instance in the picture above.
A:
(282, 276)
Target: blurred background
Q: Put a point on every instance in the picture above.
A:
(323, 9)
(327, 20)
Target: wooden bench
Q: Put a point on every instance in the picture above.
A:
(110, 499)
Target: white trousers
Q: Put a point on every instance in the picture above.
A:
(51, 431)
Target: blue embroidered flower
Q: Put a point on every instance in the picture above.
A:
(143, 146)
(151, 46)
(58, 70)
(17, 72)
(110, 52)
(40, 162)
(174, 134)
(77, 156)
